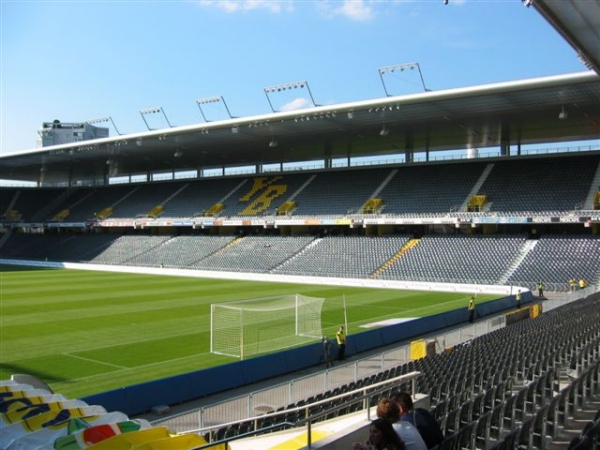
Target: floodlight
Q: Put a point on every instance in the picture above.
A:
(283, 87)
(208, 100)
(104, 119)
(401, 68)
(155, 110)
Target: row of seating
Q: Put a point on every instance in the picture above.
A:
(543, 184)
(436, 258)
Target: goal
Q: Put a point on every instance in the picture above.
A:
(263, 325)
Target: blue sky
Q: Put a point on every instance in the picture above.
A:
(81, 60)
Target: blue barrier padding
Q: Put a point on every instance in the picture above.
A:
(216, 379)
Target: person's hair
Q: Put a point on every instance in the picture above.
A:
(387, 409)
(391, 440)
(403, 400)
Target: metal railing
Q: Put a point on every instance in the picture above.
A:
(360, 399)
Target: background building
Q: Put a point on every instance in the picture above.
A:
(57, 133)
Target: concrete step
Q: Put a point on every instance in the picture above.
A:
(575, 425)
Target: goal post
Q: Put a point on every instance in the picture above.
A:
(251, 327)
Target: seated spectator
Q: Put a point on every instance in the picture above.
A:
(387, 409)
(422, 419)
(381, 437)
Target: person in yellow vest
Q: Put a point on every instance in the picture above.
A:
(541, 287)
(572, 284)
(471, 308)
(341, 341)
(582, 284)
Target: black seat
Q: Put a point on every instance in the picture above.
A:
(497, 423)
(450, 443)
(524, 438)
(580, 443)
(450, 422)
(482, 431)
(508, 413)
(539, 431)
(489, 399)
(466, 414)
(466, 437)
(520, 407)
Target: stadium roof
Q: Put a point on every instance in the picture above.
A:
(578, 22)
(559, 108)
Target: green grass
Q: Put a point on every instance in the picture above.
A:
(85, 332)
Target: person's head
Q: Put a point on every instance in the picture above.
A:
(404, 402)
(341, 327)
(383, 436)
(387, 409)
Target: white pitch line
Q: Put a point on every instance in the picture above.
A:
(95, 361)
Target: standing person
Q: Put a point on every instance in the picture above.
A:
(423, 420)
(341, 341)
(471, 308)
(518, 298)
(541, 287)
(572, 284)
(582, 284)
(387, 409)
(381, 437)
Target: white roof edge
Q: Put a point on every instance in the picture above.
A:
(484, 89)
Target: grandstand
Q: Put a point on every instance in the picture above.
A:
(507, 218)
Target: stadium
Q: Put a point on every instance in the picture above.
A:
(156, 275)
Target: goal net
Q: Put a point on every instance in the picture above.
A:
(263, 325)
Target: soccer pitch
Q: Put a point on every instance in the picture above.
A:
(85, 332)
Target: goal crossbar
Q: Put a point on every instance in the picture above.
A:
(263, 325)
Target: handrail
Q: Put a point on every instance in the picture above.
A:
(374, 390)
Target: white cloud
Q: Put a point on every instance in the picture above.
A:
(297, 103)
(274, 6)
(357, 10)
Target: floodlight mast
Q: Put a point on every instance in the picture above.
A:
(156, 110)
(288, 86)
(401, 68)
(215, 99)
(105, 119)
